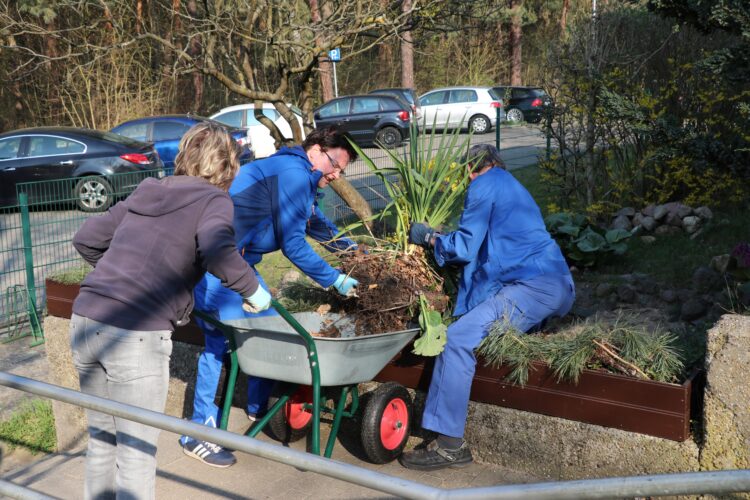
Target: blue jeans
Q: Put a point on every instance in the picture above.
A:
(130, 367)
(522, 305)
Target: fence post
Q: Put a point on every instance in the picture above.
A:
(497, 128)
(23, 200)
(548, 130)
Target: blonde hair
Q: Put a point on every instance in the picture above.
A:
(208, 150)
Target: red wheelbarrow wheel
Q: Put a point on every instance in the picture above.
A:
(386, 422)
(292, 422)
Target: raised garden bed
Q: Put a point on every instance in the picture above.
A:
(643, 406)
(60, 297)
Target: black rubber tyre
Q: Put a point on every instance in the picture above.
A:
(386, 422)
(514, 115)
(94, 194)
(389, 137)
(291, 423)
(479, 124)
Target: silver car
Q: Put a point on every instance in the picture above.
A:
(475, 108)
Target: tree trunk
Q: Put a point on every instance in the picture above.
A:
(194, 49)
(353, 199)
(325, 67)
(564, 17)
(407, 51)
(515, 41)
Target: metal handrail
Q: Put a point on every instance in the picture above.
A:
(12, 490)
(718, 482)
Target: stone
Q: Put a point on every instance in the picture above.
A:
(622, 222)
(648, 240)
(691, 223)
(648, 286)
(726, 420)
(720, 263)
(683, 294)
(705, 279)
(668, 296)
(637, 219)
(604, 289)
(704, 213)
(289, 277)
(649, 210)
(648, 223)
(682, 210)
(666, 230)
(660, 212)
(692, 309)
(673, 219)
(626, 211)
(627, 293)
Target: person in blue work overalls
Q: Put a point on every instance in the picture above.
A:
(275, 207)
(512, 272)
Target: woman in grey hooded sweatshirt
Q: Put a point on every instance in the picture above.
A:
(148, 252)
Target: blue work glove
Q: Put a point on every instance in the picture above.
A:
(257, 302)
(420, 234)
(346, 285)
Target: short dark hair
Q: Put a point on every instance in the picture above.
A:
(481, 156)
(329, 138)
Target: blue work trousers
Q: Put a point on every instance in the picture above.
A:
(523, 305)
(224, 304)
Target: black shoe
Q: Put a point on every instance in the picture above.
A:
(433, 457)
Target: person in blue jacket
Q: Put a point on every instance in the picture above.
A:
(275, 207)
(512, 272)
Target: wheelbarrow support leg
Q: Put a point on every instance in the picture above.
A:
(336, 421)
(229, 387)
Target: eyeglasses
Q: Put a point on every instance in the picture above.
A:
(335, 164)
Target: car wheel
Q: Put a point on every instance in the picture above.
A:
(479, 124)
(514, 115)
(94, 194)
(389, 137)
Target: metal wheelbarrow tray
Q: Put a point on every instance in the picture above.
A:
(282, 349)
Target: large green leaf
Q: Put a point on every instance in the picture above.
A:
(590, 241)
(616, 235)
(434, 332)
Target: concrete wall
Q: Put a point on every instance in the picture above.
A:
(540, 445)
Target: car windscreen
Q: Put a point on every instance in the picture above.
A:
(537, 92)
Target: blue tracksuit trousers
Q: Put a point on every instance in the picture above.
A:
(226, 304)
(523, 304)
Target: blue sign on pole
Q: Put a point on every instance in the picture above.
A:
(334, 55)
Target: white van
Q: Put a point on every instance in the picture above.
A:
(261, 142)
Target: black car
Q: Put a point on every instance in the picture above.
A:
(405, 94)
(369, 119)
(89, 158)
(523, 103)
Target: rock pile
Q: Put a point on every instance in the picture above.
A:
(668, 218)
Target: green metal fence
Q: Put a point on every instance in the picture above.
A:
(35, 240)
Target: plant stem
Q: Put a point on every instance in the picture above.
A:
(618, 358)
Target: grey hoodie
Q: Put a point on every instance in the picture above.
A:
(150, 250)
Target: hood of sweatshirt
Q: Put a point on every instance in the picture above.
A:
(156, 197)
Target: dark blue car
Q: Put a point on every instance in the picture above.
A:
(166, 131)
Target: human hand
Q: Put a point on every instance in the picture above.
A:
(257, 302)
(420, 234)
(346, 285)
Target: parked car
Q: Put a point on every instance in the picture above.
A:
(261, 140)
(89, 157)
(523, 103)
(166, 131)
(369, 119)
(474, 108)
(405, 94)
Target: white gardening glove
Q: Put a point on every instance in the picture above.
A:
(257, 302)
(346, 285)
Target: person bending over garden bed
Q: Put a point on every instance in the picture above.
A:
(148, 252)
(513, 272)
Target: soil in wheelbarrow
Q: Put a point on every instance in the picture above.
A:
(390, 284)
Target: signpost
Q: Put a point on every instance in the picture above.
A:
(335, 56)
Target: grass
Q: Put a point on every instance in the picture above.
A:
(31, 426)
(71, 275)
(274, 265)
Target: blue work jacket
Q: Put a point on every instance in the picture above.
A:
(501, 238)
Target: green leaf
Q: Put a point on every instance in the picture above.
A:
(616, 235)
(590, 241)
(571, 230)
(434, 332)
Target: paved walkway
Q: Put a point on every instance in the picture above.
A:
(180, 477)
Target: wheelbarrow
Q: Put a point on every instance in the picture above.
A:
(282, 349)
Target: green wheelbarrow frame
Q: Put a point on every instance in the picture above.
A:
(319, 400)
